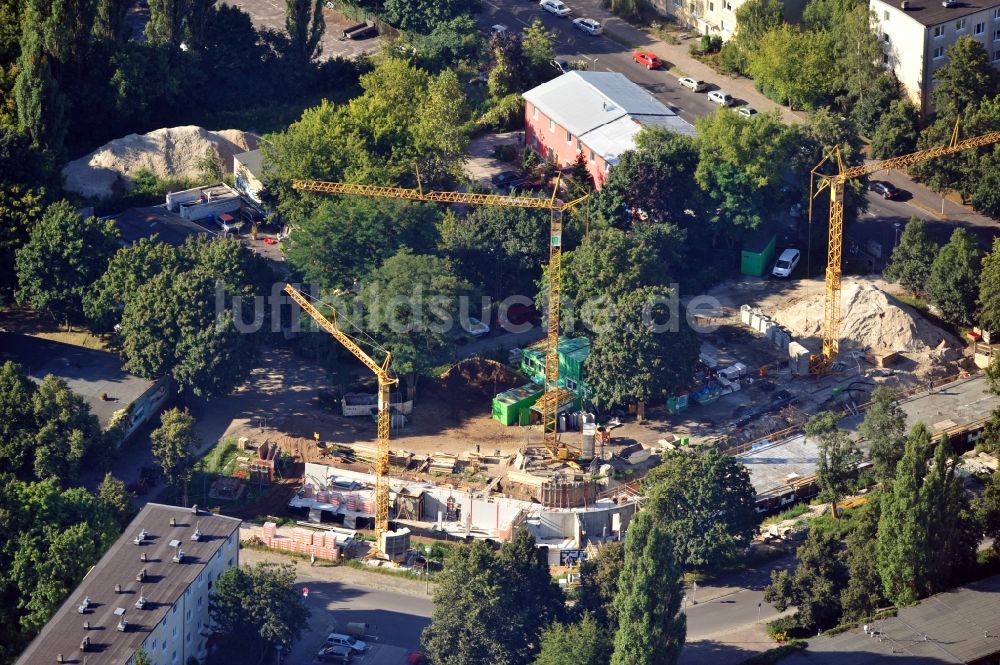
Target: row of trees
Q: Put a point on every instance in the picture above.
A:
(916, 535)
(956, 278)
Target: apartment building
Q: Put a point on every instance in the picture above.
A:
(150, 591)
(597, 114)
(716, 17)
(916, 34)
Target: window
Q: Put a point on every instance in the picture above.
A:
(534, 141)
(591, 155)
(552, 125)
(571, 384)
(230, 563)
(885, 16)
(210, 584)
(729, 6)
(189, 638)
(996, 14)
(569, 137)
(175, 609)
(711, 6)
(175, 657)
(218, 554)
(996, 56)
(980, 28)
(960, 24)
(152, 649)
(579, 145)
(885, 59)
(996, 35)
(885, 38)
(938, 31)
(199, 601)
(534, 112)
(188, 615)
(939, 53)
(174, 633)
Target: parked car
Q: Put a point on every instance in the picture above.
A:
(588, 25)
(529, 184)
(341, 640)
(747, 112)
(518, 314)
(554, 7)
(416, 658)
(786, 263)
(721, 97)
(503, 179)
(885, 189)
(477, 328)
(340, 655)
(647, 59)
(497, 28)
(562, 64)
(694, 84)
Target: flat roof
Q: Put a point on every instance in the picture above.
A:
(88, 372)
(928, 12)
(955, 404)
(165, 582)
(958, 626)
(138, 223)
(252, 161)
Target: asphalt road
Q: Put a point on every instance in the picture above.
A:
(604, 54)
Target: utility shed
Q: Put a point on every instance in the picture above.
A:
(509, 405)
(757, 254)
(573, 352)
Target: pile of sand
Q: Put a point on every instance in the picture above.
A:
(478, 379)
(873, 321)
(168, 152)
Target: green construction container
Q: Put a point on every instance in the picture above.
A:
(508, 405)
(757, 254)
(573, 352)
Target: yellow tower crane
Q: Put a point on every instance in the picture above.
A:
(820, 364)
(554, 396)
(385, 383)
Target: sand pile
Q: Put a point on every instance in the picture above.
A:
(478, 379)
(873, 321)
(167, 152)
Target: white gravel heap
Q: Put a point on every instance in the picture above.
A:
(167, 152)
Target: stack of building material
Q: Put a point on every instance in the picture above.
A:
(303, 541)
(443, 463)
(798, 359)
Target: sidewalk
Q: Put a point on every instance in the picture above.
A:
(679, 61)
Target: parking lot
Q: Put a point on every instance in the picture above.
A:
(271, 14)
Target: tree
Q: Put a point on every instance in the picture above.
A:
(705, 503)
(116, 498)
(166, 21)
(954, 278)
(538, 48)
(599, 584)
(42, 106)
(642, 349)
(897, 131)
(64, 256)
(534, 599)
(815, 586)
(965, 78)
(322, 247)
(651, 629)
(807, 83)
(438, 133)
(128, 270)
(984, 190)
(17, 419)
(67, 432)
(583, 643)
(902, 544)
(109, 21)
(756, 18)
(741, 166)
(952, 534)
(987, 508)
(259, 604)
(141, 658)
(423, 15)
(884, 427)
(858, 67)
(305, 26)
(837, 466)
(863, 594)
(912, 259)
(473, 609)
(989, 289)
(412, 307)
(174, 444)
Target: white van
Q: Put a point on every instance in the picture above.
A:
(786, 263)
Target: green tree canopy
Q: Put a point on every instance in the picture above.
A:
(259, 604)
(583, 643)
(705, 503)
(651, 628)
(911, 260)
(423, 15)
(599, 584)
(953, 283)
(63, 257)
(793, 66)
(863, 594)
(897, 130)
(535, 600)
(129, 269)
(305, 26)
(884, 427)
(175, 442)
(989, 289)
(965, 79)
(816, 584)
(837, 466)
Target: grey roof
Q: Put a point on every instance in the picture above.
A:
(137, 223)
(955, 404)
(165, 582)
(252, 161)
(583, 101)
(88, 372)
(932, 12)
(957, 626)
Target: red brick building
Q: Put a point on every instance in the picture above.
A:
(596, 113)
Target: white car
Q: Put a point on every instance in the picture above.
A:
(498, 28)
(339, 639)
(694, 84)
(786, 263)
(588, 25)
(721, 97)
(747, 112)
(477, 328)
(554, 7)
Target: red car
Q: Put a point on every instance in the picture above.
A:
(647, 59)
(416, 658)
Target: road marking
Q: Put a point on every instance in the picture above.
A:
(499, 9)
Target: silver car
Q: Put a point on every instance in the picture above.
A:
(588, 25)
(554, 7)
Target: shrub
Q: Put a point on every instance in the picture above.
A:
(777, 653)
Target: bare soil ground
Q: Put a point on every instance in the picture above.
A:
(28, 322)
